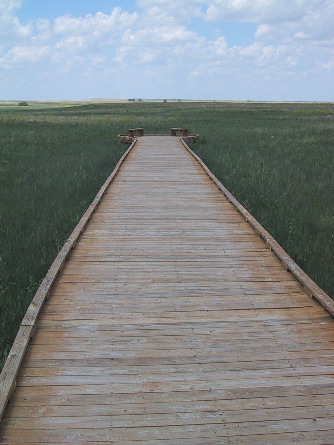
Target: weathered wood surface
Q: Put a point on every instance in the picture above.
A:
(172, 321)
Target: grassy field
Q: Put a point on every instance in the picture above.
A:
(277, 159)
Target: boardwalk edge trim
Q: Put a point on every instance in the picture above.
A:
(28, 325)
(289, 264)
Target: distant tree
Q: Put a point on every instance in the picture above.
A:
(23, 104)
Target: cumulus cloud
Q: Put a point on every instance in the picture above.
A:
(220, 45)
(165, 38)
(165, 35)
(316, 23)
(151, 45)
(255, 10)
(10, 26)
(7, 6)
(67, 35)
(104, 23)
(173, 11)
(42, 30)
(28, 53)
(74, 44)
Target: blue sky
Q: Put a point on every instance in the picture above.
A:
(51, 9)
(188, 49)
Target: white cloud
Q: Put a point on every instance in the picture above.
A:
(294, 39)
(256, 11)
(66, 36)
(262, 31)
(220, 45)
(42, 30)
(156, 44)
(10, 26)
(74, 44)
(104, 23)
(7, 6)
(159, 35)
(316, 23)
(329, 65)
(33, 54)
(171, 11)
(301, 35)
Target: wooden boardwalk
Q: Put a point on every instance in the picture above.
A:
(172, 321)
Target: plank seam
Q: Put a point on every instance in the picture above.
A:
(28, 325)
(289, 264)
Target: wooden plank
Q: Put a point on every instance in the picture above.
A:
(163, 357)
(158, 420)
(87, 377)
(172, 433)
(146, 400)
(306, 438)
(80, 368)
(96, 406)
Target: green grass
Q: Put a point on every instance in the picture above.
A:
(277, 159)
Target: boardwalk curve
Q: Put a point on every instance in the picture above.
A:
(172, 321)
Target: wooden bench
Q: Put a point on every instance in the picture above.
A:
(183, 131)
(136, 132)
(131, 136)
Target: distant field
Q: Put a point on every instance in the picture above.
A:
(277, 159)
